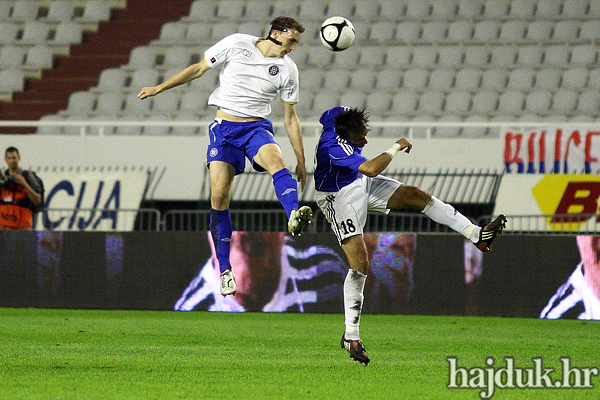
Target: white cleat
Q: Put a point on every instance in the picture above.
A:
(299, 219)
(228, 283)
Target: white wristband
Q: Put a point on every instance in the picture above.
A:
(393, 150)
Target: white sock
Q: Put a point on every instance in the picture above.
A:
(444, 213)
(354, 285)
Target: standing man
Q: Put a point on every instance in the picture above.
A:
(348, 184)
(255, 71)
(19, 192)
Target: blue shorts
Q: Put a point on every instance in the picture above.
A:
(232, 142)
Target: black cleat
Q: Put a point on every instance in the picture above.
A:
(489, 232)
(356, 349)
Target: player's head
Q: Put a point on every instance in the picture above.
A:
(256, 262)
(352, 125)
(11, 149)
(11, 156)
(285, 32)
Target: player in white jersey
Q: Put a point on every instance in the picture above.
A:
(254, 72)
(579, 297)
(348, 185)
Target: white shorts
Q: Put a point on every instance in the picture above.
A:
(346, 210)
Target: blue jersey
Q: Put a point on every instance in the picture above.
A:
(337, 160)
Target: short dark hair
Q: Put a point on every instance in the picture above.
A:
(351, 121)
(12, 149)
(284, 22)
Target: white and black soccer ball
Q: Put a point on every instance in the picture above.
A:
(337, 33)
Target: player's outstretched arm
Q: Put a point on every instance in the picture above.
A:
(376, 165)
(190, 73)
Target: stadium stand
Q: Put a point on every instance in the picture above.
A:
(96, 35)
(418, 60)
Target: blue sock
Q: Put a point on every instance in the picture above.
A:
(286, 189)
(220, 228)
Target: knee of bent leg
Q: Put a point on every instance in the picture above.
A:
(414, 197)
(219, 199)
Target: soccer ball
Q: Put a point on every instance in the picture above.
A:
(337, 33)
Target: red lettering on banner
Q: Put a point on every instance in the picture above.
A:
(574, 138)
(531, 148)
(551, 151)
(510, 155)
(572, 197)
(588, 146)
(557, 141)
(543, 149)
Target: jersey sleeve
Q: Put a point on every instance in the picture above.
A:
(291, 87)
(343, 154)
(219, 52)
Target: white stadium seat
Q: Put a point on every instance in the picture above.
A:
(575, 79)
(564, 101)
(468, 79)
(416, 79)
(441, 79)
(202, 11)
(59, 11)
(538, 102)
(458, 102)
(548, 79)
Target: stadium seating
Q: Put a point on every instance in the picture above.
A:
(454, 60)
(59, 11)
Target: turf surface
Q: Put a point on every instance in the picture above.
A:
(88, 354)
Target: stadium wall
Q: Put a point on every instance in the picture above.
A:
(183, 157)
(433, 274)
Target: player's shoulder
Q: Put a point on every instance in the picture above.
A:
(240, 39)
(289, 62)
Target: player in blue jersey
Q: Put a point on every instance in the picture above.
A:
(254, 72)
(348, 185)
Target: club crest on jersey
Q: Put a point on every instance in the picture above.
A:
(247, 53)
(273, 70)
(213, 152)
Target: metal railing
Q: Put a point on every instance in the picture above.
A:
(554, 224)
(454, 186)
(98, 219)
(275, 220)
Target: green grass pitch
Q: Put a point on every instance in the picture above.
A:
(91, 354)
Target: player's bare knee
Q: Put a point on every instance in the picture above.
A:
(415, 197)
(219, 201)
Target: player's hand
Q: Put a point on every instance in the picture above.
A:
(147, 92)
(404, 145)
(20, 179)
(301, 176)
